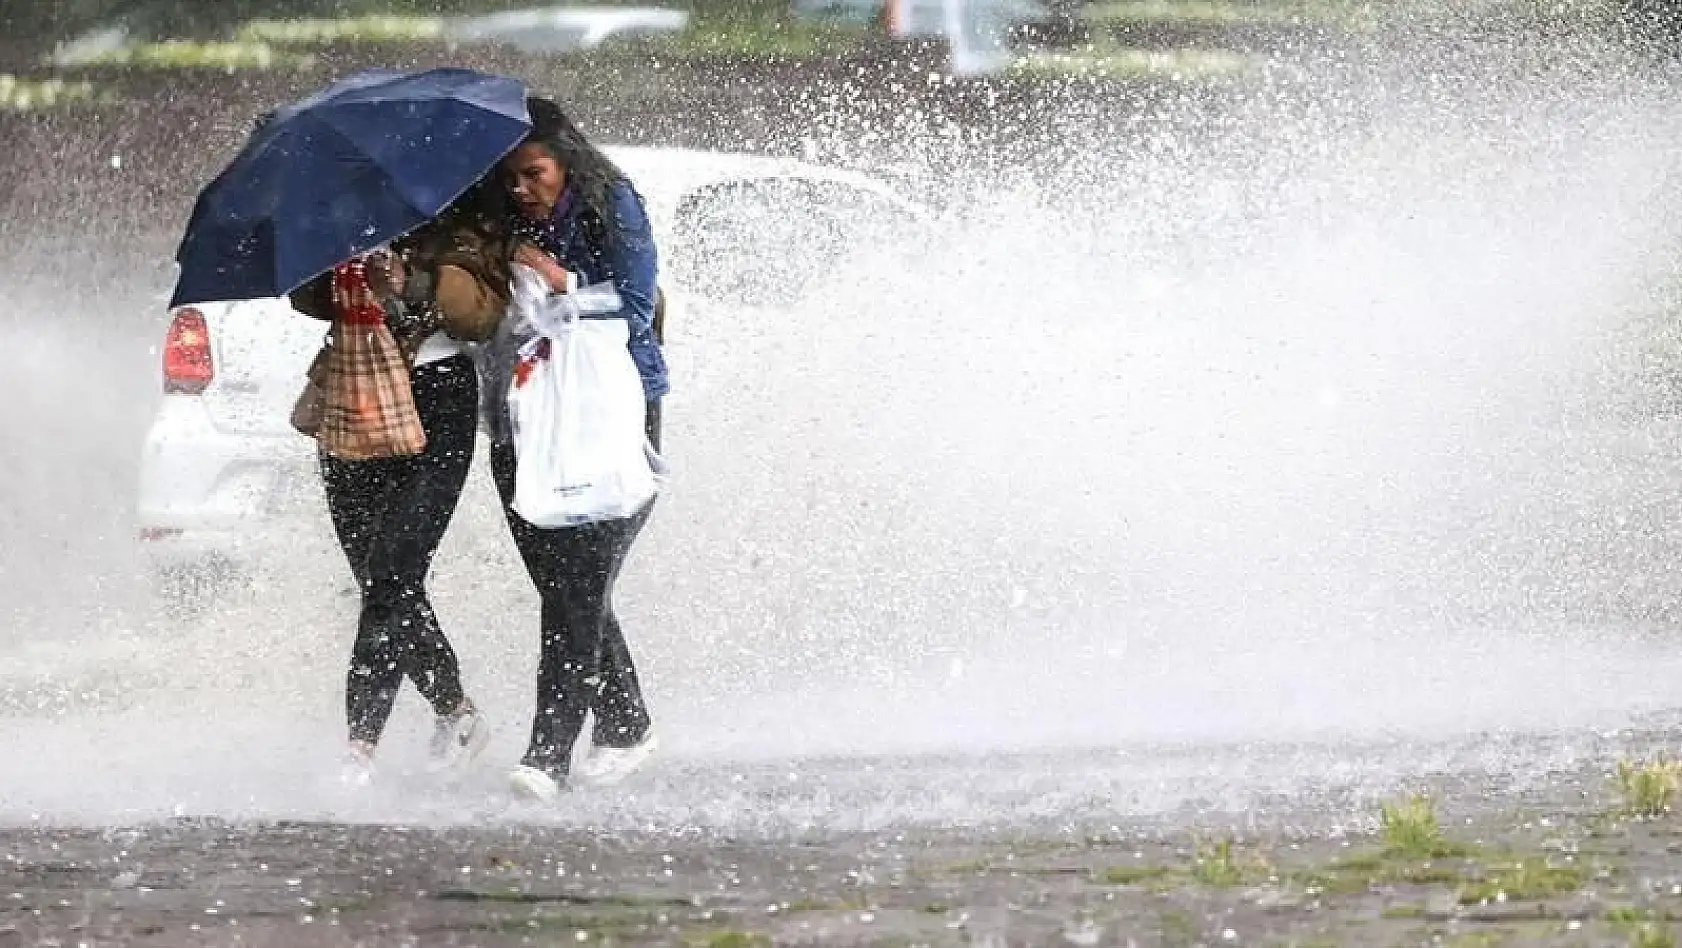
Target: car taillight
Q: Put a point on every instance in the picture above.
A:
(187, 365)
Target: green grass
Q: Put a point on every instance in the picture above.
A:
(1643, 927)
(1411, 844)
(23, 95)
(361, 29)
(1132, 875)
(1428, 875)
(1530, 881)
(749, 30)
(762, 40)
(1402, 911)
(1360, 873)
(1652, 936)
(1648, 789)
(1338, 883)
(1409, 829)
(1479, 939)
(1217, 866)
(1361, 862)
(183, 54)
(729, 939)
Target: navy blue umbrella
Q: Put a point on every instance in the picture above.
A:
(367, 160)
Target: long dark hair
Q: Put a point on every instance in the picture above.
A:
(483, 211)
(483, 208)
(590, 173)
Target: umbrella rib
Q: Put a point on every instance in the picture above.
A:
(322, 122)
(328, 120)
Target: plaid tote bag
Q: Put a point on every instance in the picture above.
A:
(367, 406)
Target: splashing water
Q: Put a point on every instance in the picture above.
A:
(1316, 413)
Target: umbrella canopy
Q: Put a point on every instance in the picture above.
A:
(366, 160)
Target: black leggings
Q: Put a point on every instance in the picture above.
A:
(584, 664)
(390, 515)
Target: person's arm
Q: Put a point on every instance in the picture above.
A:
(631, 258)
(470, 307)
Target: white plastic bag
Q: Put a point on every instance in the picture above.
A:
(578, 410)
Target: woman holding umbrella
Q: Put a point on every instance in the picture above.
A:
(580, 222)
(444, 286)
(323, 182)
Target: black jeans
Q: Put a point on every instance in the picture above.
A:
(584, 664)
(390, 515)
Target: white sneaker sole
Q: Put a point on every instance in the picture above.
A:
(355, 778)
(532, 784)
(627, 761)
(477, 740)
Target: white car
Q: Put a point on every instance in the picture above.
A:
(221, 467)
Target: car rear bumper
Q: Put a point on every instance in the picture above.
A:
(206, 493)
(171, 549)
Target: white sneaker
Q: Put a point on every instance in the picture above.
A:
(356, 768)
(458, 739)
(606, 766)
(533, 784)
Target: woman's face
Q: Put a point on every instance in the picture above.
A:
(535, 180)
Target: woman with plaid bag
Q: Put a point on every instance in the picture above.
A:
(392, 487)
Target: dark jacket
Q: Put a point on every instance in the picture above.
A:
(457, 282)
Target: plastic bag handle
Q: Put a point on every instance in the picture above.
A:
(549, 313)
